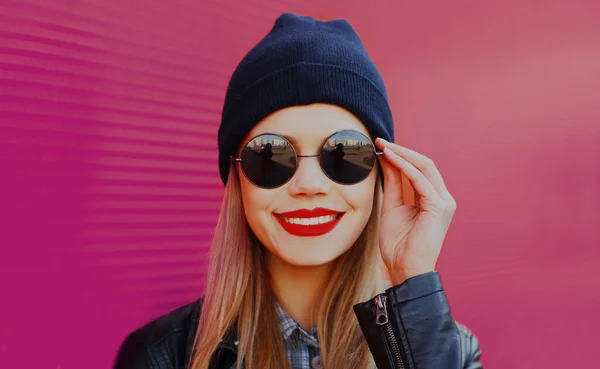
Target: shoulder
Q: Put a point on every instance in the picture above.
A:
(165, 340)
(470, 347)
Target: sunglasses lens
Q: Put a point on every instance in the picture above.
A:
(268, 161)
(348, 157)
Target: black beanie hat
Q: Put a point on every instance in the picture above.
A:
(302, 61)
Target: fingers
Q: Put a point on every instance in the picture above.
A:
(418, 180)
(420, 162)
(392, 178)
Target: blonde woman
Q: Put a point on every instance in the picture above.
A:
(313, 205)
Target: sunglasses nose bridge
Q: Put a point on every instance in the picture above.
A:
(314, 166)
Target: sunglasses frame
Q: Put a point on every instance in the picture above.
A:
(239, 160)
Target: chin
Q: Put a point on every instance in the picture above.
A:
(307, 253)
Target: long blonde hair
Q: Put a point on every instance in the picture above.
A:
(238, 291)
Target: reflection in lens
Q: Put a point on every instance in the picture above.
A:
(268, 161)
(348, 157)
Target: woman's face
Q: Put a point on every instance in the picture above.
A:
(307, 127)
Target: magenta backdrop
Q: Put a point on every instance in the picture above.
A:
(109, 187)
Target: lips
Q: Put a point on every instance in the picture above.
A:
(309, 223)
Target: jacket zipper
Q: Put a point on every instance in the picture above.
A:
(382, 319)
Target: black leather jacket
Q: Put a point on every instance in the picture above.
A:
(408, 326)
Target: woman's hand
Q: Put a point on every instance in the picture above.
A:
(411, 237)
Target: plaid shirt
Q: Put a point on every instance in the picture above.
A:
(301, 347)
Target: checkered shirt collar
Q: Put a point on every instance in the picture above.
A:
(289, 326)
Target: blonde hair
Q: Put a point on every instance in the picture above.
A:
(238, 291)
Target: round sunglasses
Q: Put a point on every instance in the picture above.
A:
(270, 160)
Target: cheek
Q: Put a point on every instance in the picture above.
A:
(360, 196)
(253, 198)
(257, 207)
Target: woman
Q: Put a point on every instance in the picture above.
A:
(295, 275)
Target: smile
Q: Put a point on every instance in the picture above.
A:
(309, 223)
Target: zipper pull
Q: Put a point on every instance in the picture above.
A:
(382, 315)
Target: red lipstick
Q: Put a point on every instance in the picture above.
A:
(303, 222)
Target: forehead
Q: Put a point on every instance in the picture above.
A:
(308, 125)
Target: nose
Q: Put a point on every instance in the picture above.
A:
(309, 179)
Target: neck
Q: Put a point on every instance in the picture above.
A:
(297, 288)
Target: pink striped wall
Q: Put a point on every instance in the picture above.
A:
(109, 188)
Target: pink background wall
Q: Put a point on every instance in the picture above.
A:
(108, 177)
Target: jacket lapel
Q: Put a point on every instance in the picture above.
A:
(226, 354)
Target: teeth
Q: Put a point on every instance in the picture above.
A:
(310, 221)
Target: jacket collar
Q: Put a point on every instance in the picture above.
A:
(230, 339)
(228, 343)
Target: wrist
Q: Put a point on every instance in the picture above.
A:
(400, 276)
